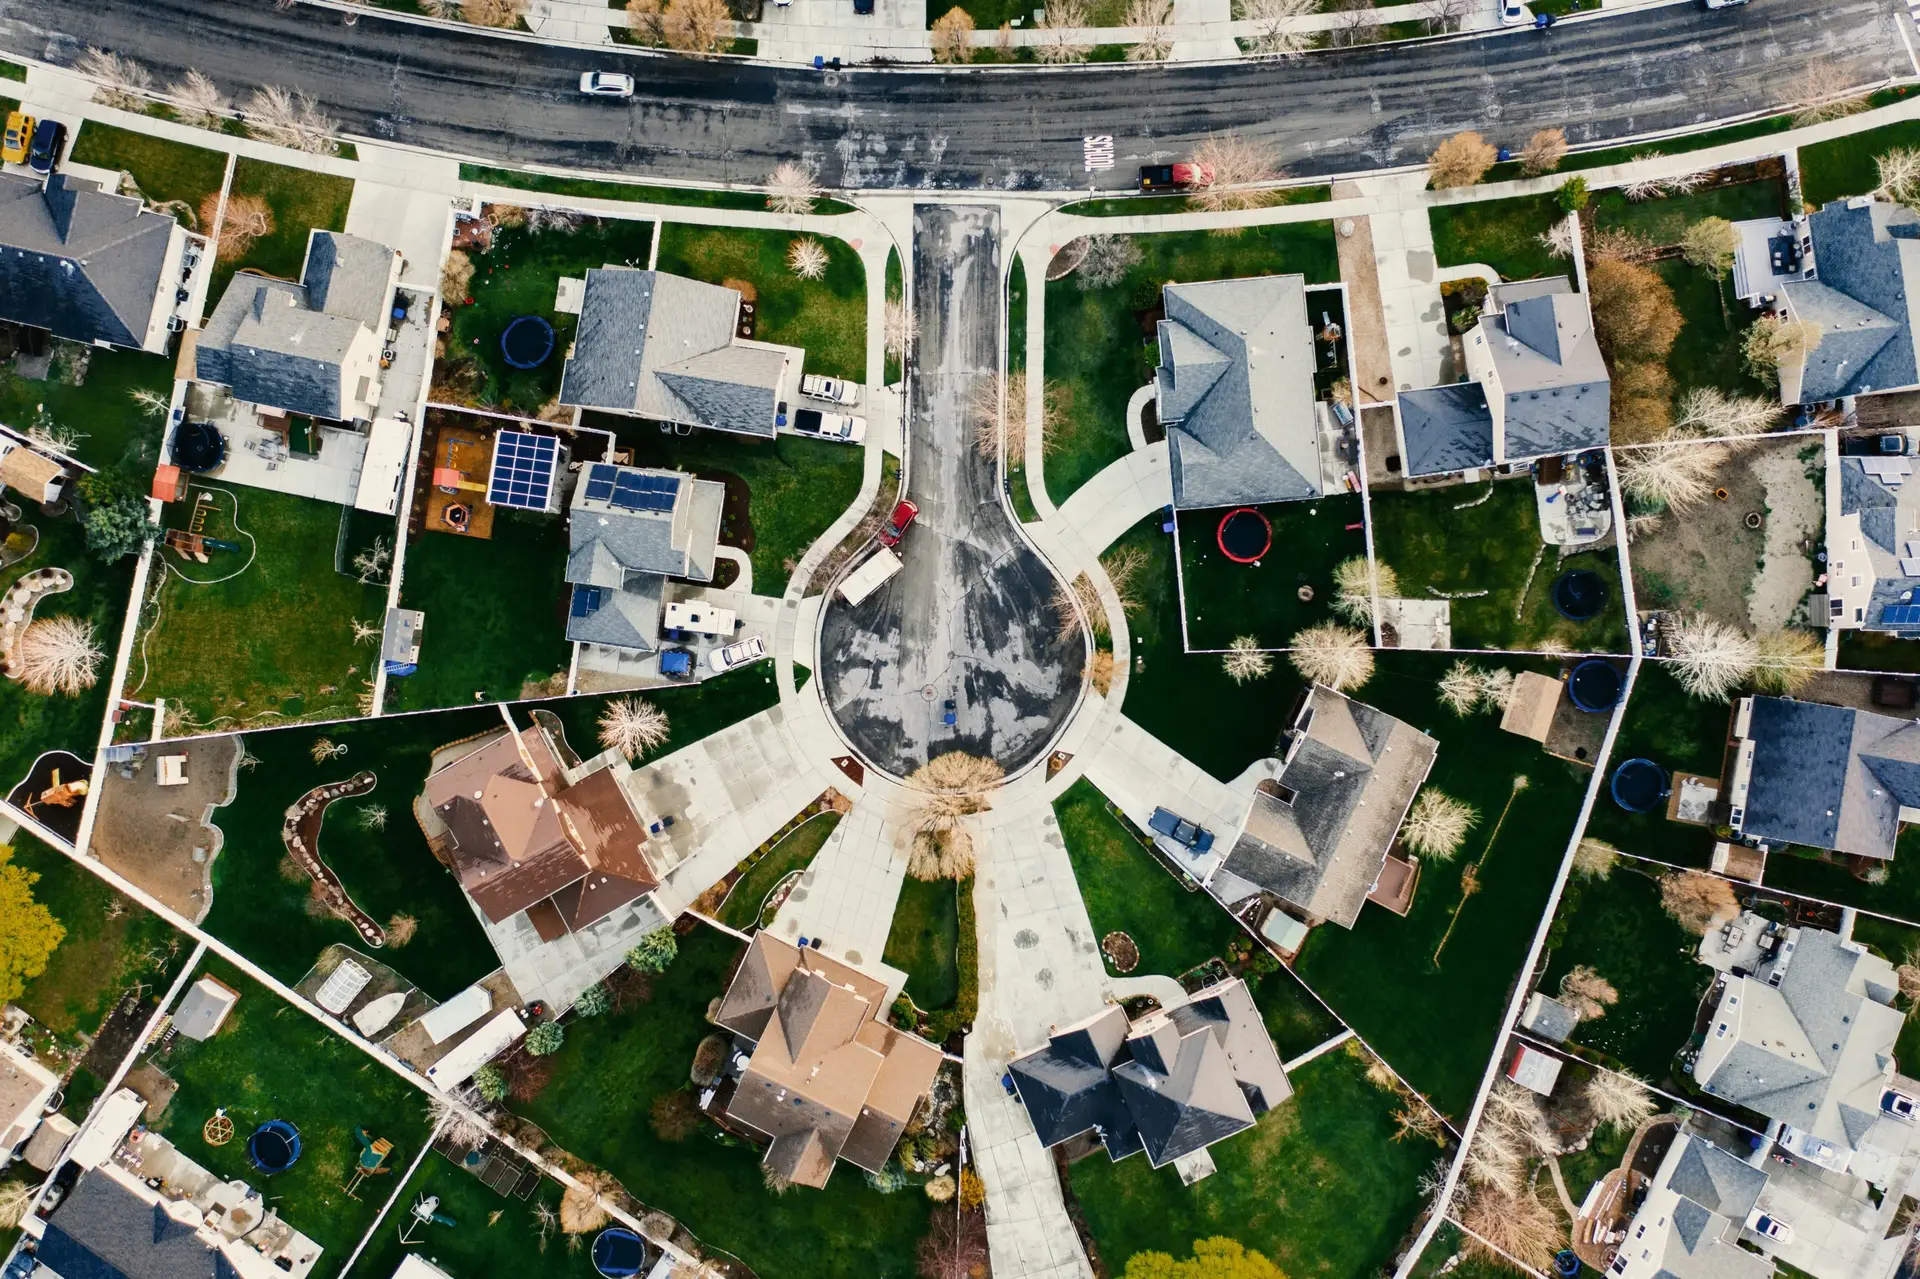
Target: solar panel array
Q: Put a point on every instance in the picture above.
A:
(1900, 615)
(631, 490)
(587, 600)
(522, 470)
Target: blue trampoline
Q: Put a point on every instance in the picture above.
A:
(618, 1253)
(1639, 785)
(274, 1147)
(527, 342)
(1595, 685)
(1580, 595)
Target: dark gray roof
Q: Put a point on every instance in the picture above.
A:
(603, 546)
(1447, 429)
(1872, 500)
(628, 616)
(1799, 770)
(78, 262)
(1067, 1089)
(1866, 252)
(102, 1231)
(1716, 1180)
(1181, 1091)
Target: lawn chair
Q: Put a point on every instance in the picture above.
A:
(372, 1161)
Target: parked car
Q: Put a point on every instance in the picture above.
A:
(1174, 177)
(831, 426)
(49, 136)
(1181, 831)
(1721, 4)
(863, 7)
(607, 84)
(1768, 1226)
(1513, 13)
(676, 663)
(19, 138)
(837, 389)
(897, 526)
(747, 650)
(1896, 1103)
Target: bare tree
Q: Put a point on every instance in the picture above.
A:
(456, 276)
(372, 562)
(1279, 27)
(1544, 152)
(1354, 585)
(1236, 172)
(1709, 245)
(15, 1195)
(1447, 15)
(1824, 93)
(955, 1246)
(632, 726)
(947, 790)
(290, 119)
(1619, 1100)
(1060, 26)
(581, 1209)
(1585, 991)
(1899, 174)
(993, 429)
(123, 83)
(245, 219)
(1774, 340)
(57, 655)
(1520, 1225)
(505, 14)
(1709, 411)
(198, 101)
(365, 632)
(1668, 475)
(807, 258)
(1461, 686)
(699, 26)
(1245, 661)
(1697, 901)
(1711, 658)
(456, 1120)
(1437, 824)
(1106, 261)
(1789, 660)
(325, 748)
(1557, 239)
(899, 327)
(374, 817)
(1496, 689)
(1154, 38)
(647, 20)
(952, 32)
(1594, 859)
(149, 402)
(1461, 160)
(792, 187)
(1618, 244)
(1333, 655)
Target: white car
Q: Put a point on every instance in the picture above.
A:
(831, 426)
(836, 389)
(1513, 13)
(607, 84)
(1768, 1226)
(747, 650)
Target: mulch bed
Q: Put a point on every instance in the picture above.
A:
(1120, 952)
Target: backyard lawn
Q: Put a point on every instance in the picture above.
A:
(796, 487)
(520, 275)
(1808, 871)
(496, 611)
(1450, 540)
(925, 940)
(1844, 166)
(1128, 891)
(1428, 991)
(300, 200)
(1502, 234)
(693, 711)
(263, 635)
(494, 1234)
(1225, 599)
(1680, 733)
(165, 171)
(1617, 927)
(29, 722)
(113, 432)
(1665, 219)
(272, 1061)
(1099, 350)
(825, 317)
(795, 852)
(1874, 651)
(596, 1107)
(264, 913)
(1320, 1185)
(1295, 1020)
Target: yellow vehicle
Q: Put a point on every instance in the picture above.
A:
(19, 136)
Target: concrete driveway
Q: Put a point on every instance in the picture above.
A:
(970, 618)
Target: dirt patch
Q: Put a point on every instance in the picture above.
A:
(1795, 524)
(163, 837)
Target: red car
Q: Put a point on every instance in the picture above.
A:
(897, 526)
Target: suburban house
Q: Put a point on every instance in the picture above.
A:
(630, 529)
(828, 1078)
(26, 1087)
(1803, 1032)
(1318, 831)
(1171, 1084)
(1850, 270)
(1234, 390)
(1823, 776)
(669, 349)
(92, 267)
(1689, 1225)
(1873, 545)
(311, 348)
(1536, 387)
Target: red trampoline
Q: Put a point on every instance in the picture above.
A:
(1245, 535)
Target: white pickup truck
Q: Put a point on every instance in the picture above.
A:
(870, 576)
(830, 426)
(836, 389)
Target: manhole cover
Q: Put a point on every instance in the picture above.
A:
(928, 693)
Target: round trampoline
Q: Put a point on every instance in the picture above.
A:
(1639, 785)
(618, 1253)
(527, 342)
(1566, 1264)
(198, 446)
(1595, 685)
(1244, 535)
(274, 1147)
(1579, 594)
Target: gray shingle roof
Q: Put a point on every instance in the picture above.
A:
(78, 262)
(1551, 373)
(1716, 1180)
(1873, 501)
(628, 616)
(349, 277)
(1447, 429)
(1866, 253)
(101, 1231)
(1830, 776)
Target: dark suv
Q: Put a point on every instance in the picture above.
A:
(48, 137)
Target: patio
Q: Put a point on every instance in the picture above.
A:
(261, 457)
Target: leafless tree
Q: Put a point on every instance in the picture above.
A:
(325, 749)
(947, 790)
(1899, 174)
(1447, 15)
(456, 276)
(374, 817)
(123, 83)
(1520, 1225)
(1153, 40)
(15, 1195)
(1496, 689)
(149, 402)
(807, 258)
(1668, 475)
(1594, 859)
(1557, 239)
(1332, 655)
(245, 219)
(952, 32)
(1709, 411)
(1244, 660)
(197, 100)
(1619, 1100)
(1354, 586)
(1585, 991)
(581, 1209)
(57, 655)
(994, 429)
(1461, 160)
(290, 119)
(1711, 658)
(899, 327)
(955, 1246)
(505, 14)
(456, 1120)
(1618, 244)
(371, 564)
(1461, 686)
(699, 26)
(1106, 261)
(55, 437)
(1279, 27)
(1789, 659)
(365, 632)
(1543, 152)
(632, 726)
(1060, 27)
(1437, 824)
(1238, 173)
(1824, 93)
(647, 20)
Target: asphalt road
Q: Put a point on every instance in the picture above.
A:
(970, 617)
(478, 95)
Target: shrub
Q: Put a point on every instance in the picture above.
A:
(709, 1058)
(674, 1116)
(490, 1083)
(545, 1039)
(116, 515)
(593, 1001)
(655, 952)
(1572, 195)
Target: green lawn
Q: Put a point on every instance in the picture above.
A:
(1664, 219)
(12, 71)
(1320, 1185)
(896, 291)
(387, 872)
(496, 611)
(1502, 234)
(826, 317)
(301, 201)
(1296, 1021)
(30, 723)
(520, 275)
(1807, 871)
(693, 711)
(925, 940)
(796, 487)
(1127, 890)
(1873, 651)
(114, 434)
(479, 1243)
(1097, 353)
(272, 644)
(596, 1108)
(164, 170)
(1616, 926)
(1186, 700)
(1682, 734)
(1017, 490)
(796, 851)
(1490, 547)
(1843, 167)
(1714, 324)
(272, 1061)
(595, 189)
(1436, 1021)
(1226, 600)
